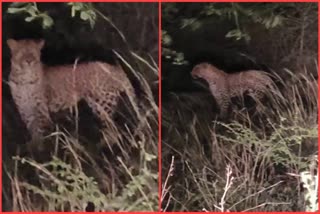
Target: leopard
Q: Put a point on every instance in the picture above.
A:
(39, 90)
(225, 86)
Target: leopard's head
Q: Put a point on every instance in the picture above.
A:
(204, 71)
(25, 54)
(197, 71)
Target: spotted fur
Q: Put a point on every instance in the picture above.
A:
(39, 90)
(224, 86)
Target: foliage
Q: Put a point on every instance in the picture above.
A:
(86, 11)
(176, 57)
(265, 15)
(268, 15)
(268, 153)
(278, 146)
(239, 18)
(33, 13)
(71, 189)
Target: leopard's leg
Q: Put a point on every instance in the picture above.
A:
(37, 121)
(224, 105)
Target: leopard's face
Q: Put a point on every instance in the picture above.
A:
(25, 54)
(205, 72)
(198, 71)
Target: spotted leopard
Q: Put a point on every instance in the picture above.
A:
(39, 90)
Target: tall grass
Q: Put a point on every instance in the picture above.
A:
(263, 153)
(75, 171)
(119, 173)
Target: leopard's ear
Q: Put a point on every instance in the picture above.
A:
(13, 44)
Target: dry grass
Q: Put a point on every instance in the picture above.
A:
(257, 160)
(262, 150)
(76, 171)
(119, 173)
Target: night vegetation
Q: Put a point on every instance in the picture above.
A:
(251, 161)
(80, 168)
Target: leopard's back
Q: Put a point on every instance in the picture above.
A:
(250, 82)
(93, 80)
(224, 88)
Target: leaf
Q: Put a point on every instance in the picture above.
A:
(187, 22)
(73, 12)
(276, 21)
(32, 10)
(84, 15)
(30, 18)
(47, 22)
(92, 22)
(18, 4)
(78, 6)
(16, 10)
(234, 33)
(166, 40)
